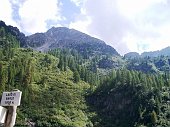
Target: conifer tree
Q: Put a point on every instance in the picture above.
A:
(61, 63)
(76, 76)
(2, 79)
(82, 73)
(154, 117)
(129, 77)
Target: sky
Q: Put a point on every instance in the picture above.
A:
(126, 25)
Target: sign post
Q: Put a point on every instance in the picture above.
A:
(3, 112)
(11, 116)
(11, 100)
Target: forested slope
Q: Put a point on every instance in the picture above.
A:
(62, 88)
(51, 96)
(131, 98)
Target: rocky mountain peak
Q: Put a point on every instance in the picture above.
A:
(62, 37)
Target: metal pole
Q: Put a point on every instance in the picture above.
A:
(11, 116)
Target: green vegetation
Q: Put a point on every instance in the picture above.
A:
(62, 88)
(148, 64)
(131, 98)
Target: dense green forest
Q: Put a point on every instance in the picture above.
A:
(148, 64)
(62, 88)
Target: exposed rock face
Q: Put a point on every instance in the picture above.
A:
(63, 37)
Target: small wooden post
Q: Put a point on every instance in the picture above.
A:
(11, 116)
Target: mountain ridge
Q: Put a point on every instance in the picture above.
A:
(162, 52)
(15, 32)
(165, 51)
(62, 37)
(38, 41)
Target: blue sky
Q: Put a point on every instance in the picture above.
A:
(127, 25)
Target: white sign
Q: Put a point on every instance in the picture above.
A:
(3, 112)
(11, 98)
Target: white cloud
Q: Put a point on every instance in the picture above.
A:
(6, 12)
(17, 2)
(127, 25)
(106, 22)
(34, 14)
(80, 25)
(131, 8)
(82, 22)
(77, 2)
(133, 25)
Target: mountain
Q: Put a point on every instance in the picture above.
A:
(62, 37)
(62, 89)
(65, 38)
(15, 32)
(131, 55)
(162, 52)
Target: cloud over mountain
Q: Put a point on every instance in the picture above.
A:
(127, 25)
(31, 15)
(133, 25)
